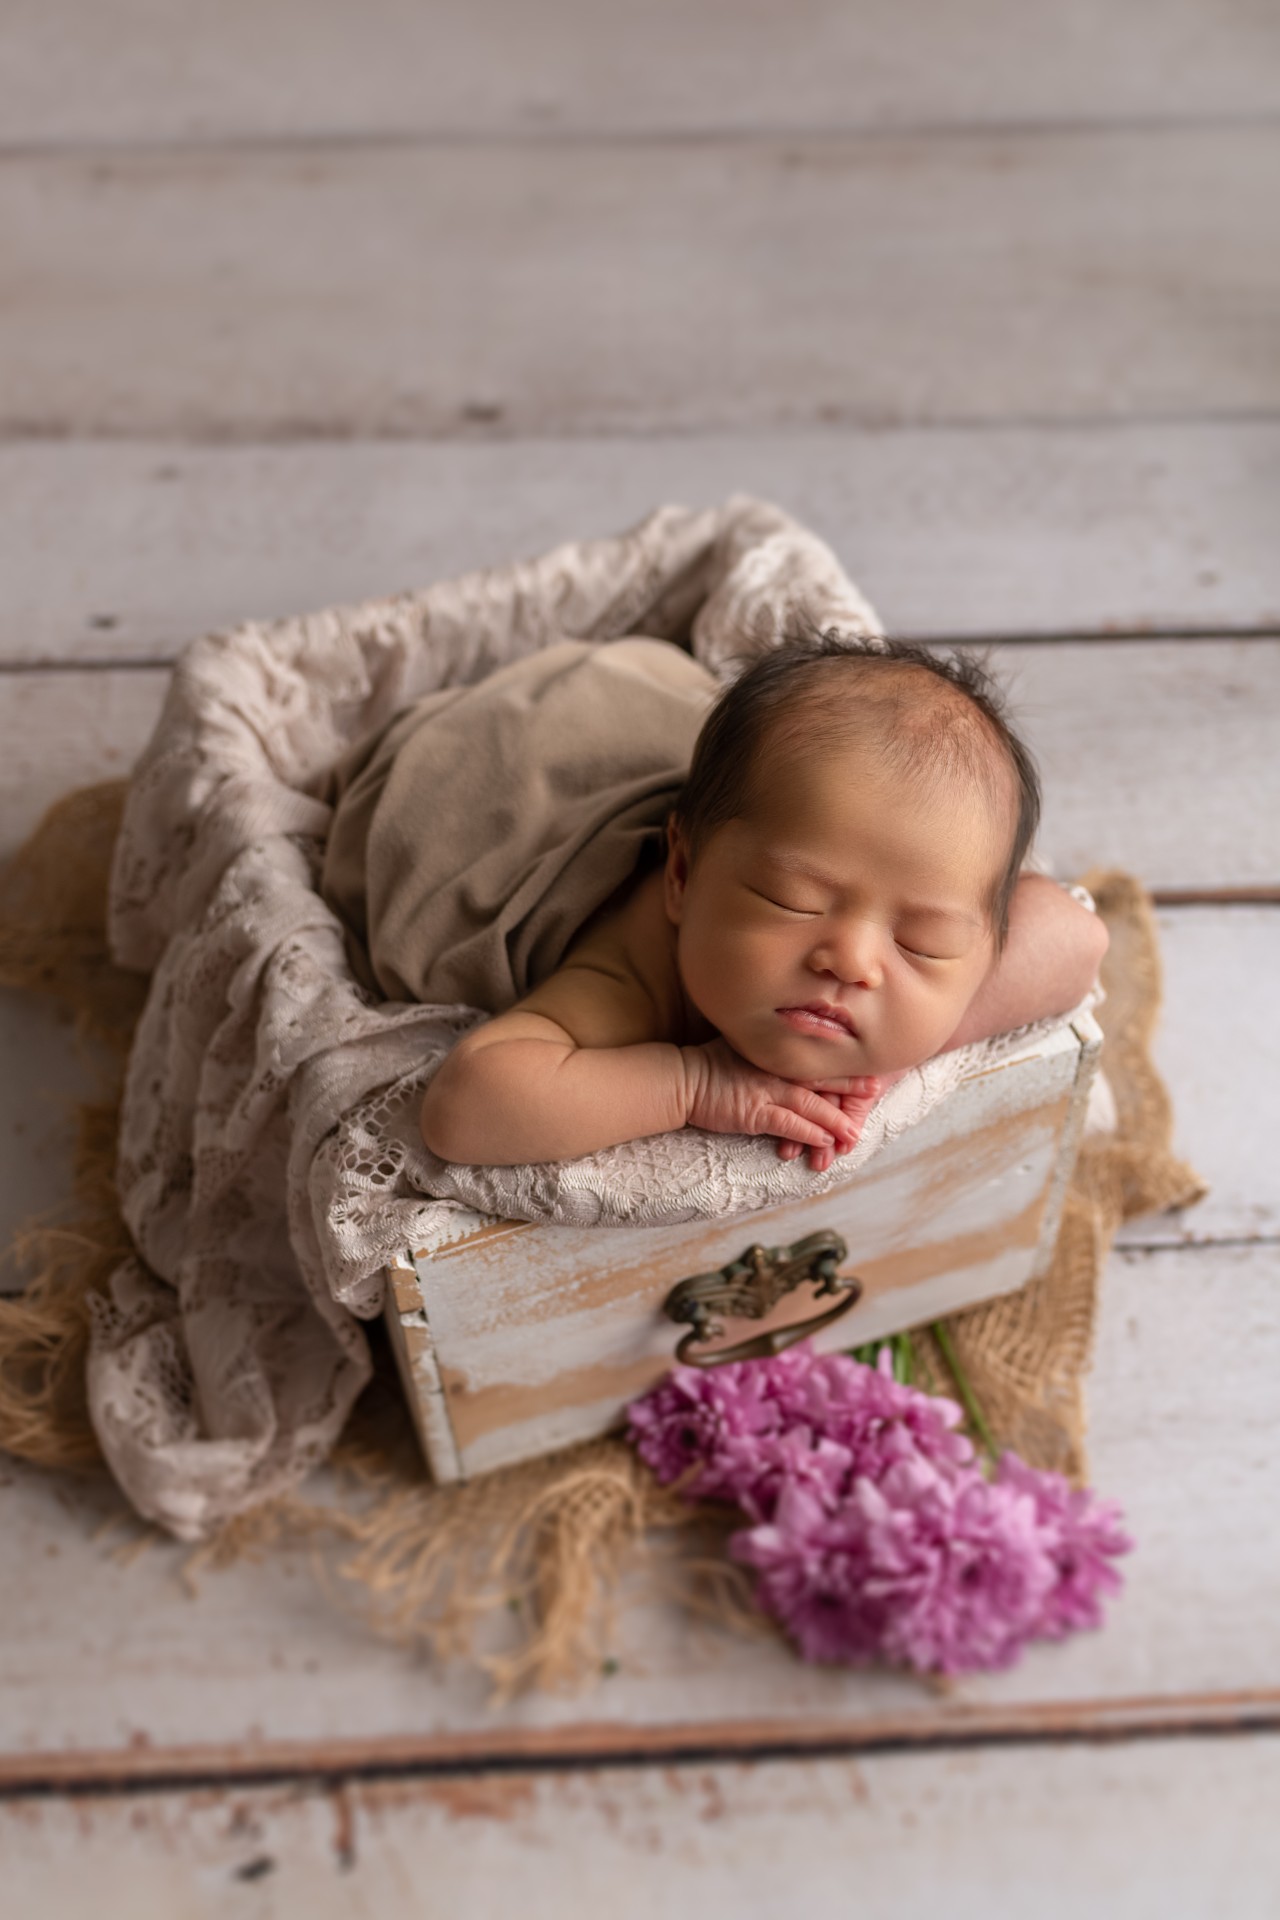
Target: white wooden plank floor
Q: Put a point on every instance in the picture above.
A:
(306, 305)
(122, 550)
(258, 69)
(1144, 1830)
(251, 292)
(262, 1675)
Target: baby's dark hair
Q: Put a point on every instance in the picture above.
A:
(953, 725)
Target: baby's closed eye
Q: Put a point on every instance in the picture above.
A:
(918, 953)
(941, 946)
(784, 906)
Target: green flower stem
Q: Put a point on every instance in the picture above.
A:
(901, 1350)
(968, 1398)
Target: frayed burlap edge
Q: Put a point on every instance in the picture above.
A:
(53, 900)
(1025, 1354)
(519, 1571)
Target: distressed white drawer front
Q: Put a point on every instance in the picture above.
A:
(517, 1338)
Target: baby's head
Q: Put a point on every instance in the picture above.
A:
(842, 857)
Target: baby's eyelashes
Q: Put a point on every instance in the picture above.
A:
(784, 906)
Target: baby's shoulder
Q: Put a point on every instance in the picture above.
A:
(617, 984)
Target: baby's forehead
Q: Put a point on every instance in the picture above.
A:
(926, 740)
(951, 832)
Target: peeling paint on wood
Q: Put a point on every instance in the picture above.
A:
(1059, 1831)
(541, 1336)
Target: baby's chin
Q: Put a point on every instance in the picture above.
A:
(793, 1058)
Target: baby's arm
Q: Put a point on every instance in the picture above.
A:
(1049, 963)
(520, 1089)
(569, 1071)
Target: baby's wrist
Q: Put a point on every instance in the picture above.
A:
(692, 1075)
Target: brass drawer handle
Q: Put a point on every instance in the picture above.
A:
(750, 1287)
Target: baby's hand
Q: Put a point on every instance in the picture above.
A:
(726, 1094)
(855, 1099)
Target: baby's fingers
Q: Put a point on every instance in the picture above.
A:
(794, 1128)
(862, 1086)
(808, 1120)
(820, 1158)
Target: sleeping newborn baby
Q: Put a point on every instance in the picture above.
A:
(831, 895)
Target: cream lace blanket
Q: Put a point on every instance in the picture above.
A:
(270, 1162)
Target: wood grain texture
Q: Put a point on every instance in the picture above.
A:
(1218, 1047)
(1177, 1829)
(267, 1671)
(640, 288)
(1145, 751)
(278, 70)
(117, 551)
(59, 731)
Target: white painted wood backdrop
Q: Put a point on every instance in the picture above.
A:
(304, 304)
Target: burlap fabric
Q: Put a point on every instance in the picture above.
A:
(538, 1548)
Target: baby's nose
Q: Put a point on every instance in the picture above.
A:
(853, 954)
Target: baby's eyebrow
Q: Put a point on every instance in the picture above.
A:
(795, 863)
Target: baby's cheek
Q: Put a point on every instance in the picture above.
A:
(931, 1015)
(952, 1008)
(722, 976)
(735, 966)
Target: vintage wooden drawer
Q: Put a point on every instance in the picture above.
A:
(514, 1339)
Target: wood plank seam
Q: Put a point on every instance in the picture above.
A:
(965, 642)
(617, 1746)
(573, 139)
(837, 419)
(1174, 897)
